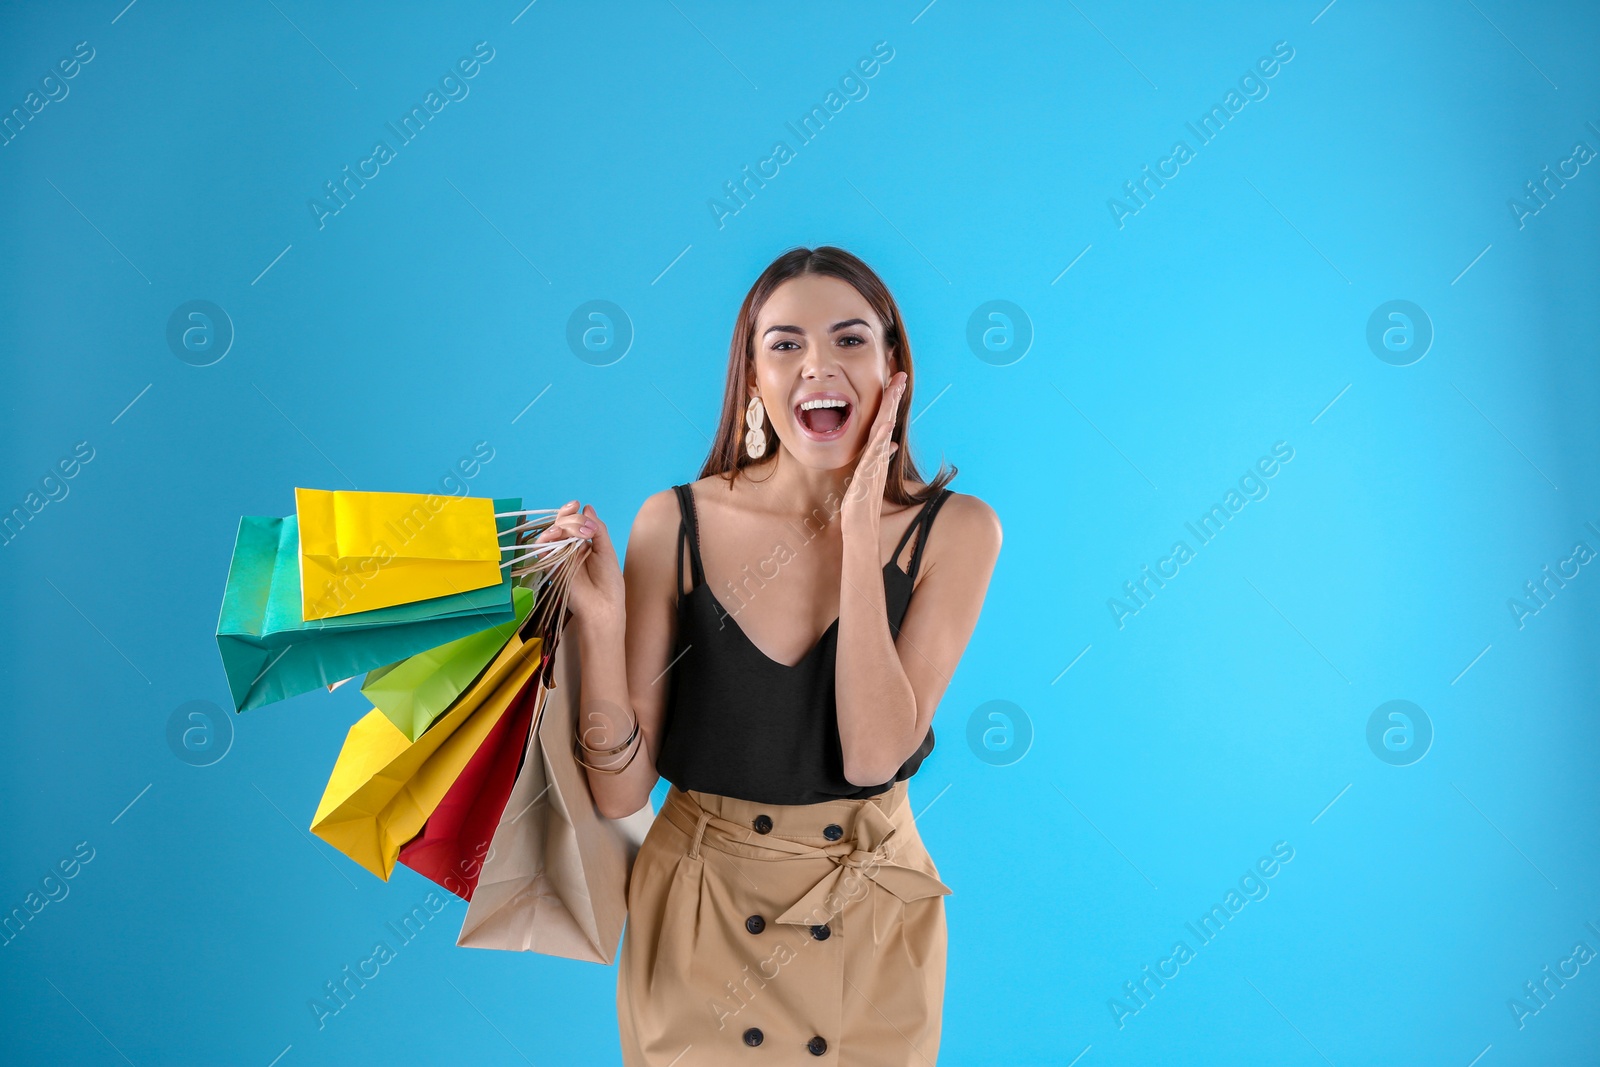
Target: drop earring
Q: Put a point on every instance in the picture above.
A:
(755, 438)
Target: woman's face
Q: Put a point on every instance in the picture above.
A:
(821, 368)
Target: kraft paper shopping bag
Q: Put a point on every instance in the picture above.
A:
(556, 877)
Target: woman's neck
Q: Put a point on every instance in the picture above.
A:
(790, 490)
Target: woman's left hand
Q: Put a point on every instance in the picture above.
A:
(863, 501)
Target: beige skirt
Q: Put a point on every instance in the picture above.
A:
(782, 934)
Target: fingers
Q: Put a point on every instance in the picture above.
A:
(889, 414)
(890, 446)
(571, 521)
(563, 524)
(594, 529)
(889, 410)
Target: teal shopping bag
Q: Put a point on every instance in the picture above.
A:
(270, 652)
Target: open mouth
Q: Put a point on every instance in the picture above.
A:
(824, 419)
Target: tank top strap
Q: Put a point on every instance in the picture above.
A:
(922, 522)
(688, 530)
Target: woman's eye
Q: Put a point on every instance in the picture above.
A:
(849, 340)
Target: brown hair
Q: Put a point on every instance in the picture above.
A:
(727, 456)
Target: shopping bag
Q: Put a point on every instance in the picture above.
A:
(362, 550)
(384, 785)
(270, 652)
(417, 690)
(451, 848)
(555, 880)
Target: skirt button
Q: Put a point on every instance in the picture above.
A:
(752, 1036)
(821, 933)
(763, 824)
(816, 1046)
(833, 831)
(755, 924)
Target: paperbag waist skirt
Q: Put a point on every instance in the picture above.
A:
(782, 934)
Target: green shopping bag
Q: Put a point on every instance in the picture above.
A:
(416, 691)
(270, 652)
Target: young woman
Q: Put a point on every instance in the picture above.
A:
(783, 906)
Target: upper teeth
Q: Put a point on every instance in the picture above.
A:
(827, 402)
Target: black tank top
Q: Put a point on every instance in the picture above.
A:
(739, 723)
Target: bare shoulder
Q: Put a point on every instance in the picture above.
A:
(972, 529)
(651, 540)
(963, 546)
(715, 491)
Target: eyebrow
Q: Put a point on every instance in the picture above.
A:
(835, 328)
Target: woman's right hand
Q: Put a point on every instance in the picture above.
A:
(596, 595)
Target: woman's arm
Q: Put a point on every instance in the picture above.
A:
(625, 629)
(888, 690)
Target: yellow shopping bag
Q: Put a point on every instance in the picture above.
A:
(385, 786)
(360, 551)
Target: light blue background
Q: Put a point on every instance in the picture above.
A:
(1230, 313)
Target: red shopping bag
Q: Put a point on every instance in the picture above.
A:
(452, 845)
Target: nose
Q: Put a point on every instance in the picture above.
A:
(818, 363)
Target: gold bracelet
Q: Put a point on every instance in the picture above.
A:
(577, 747)
(578, 738)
